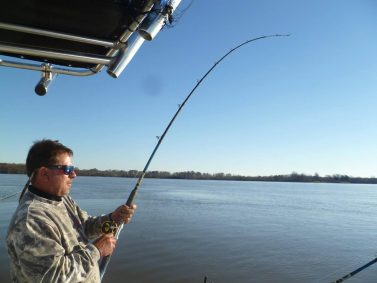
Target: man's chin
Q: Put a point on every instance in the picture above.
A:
(66, 192)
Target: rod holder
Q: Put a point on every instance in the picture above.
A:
(152, 25)
(157, 19)
(124, 56)
(47, 76)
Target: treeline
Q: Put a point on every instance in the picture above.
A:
(12, 168)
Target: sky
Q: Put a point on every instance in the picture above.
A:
(304, 103)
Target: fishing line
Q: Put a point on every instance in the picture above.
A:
(105, 261)
(22, 191)
(9, 196)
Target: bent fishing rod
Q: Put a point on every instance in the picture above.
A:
(105, 261)
(353, 273)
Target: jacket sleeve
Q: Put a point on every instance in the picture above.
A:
(92, 224)
(43, 258)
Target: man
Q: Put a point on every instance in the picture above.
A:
(50, 237)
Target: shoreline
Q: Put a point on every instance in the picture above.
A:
(191, 175)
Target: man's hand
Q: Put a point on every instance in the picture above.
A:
(123, 214)
(105, 244)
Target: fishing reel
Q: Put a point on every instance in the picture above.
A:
(109, 227)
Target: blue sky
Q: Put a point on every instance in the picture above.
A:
(305, 103)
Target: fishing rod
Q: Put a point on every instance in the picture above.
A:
(105, 261)
(353, 273)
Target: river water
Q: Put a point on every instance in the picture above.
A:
(228, 231)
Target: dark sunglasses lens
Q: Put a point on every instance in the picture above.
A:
(68, 170)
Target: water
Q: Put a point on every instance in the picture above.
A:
(229, 231)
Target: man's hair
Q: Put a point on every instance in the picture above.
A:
(44, 153)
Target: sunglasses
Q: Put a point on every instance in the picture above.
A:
(67, 169)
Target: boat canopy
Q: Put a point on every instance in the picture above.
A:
(77, 37)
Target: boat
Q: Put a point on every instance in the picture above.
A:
(77, 37)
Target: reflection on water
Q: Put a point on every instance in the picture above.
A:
(229, 231)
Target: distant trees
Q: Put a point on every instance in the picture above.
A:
(12, 168)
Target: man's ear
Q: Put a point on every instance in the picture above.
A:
(43, 173)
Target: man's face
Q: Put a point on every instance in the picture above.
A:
(58, 182)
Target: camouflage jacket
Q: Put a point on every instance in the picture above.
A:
(49, 241)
